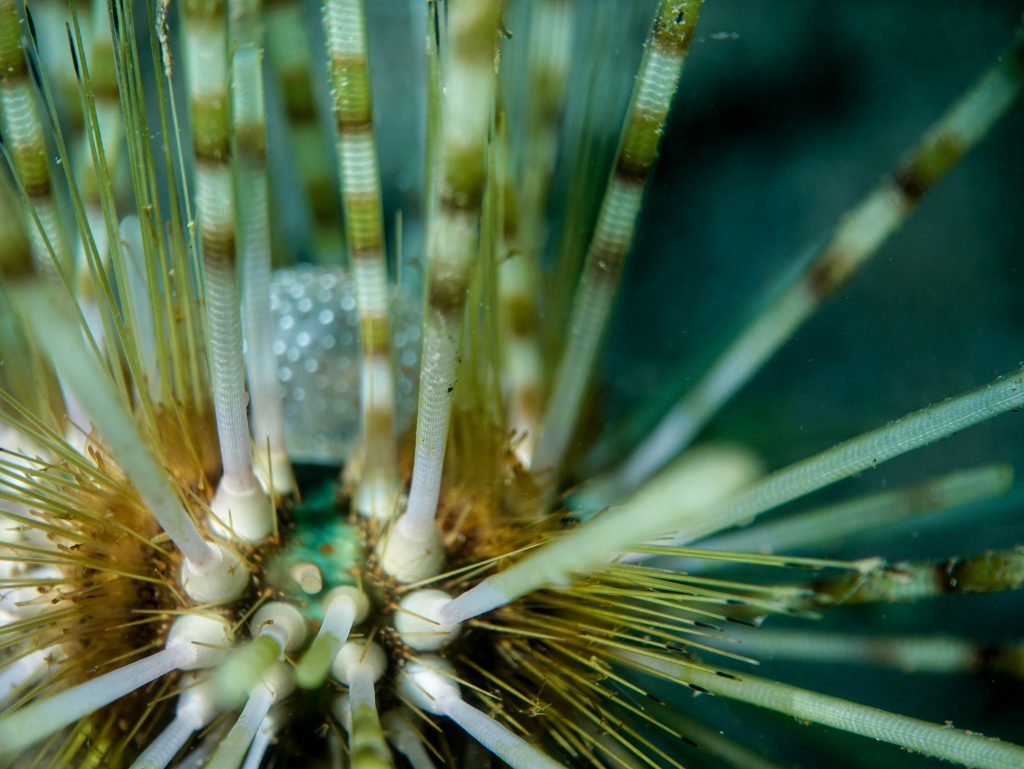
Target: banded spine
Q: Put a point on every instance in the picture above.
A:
(857, 237)
(250, 140)
(240, 504)
(345, 31)
(411, 549)
(959, 746)
(25, 145)
(669, 503)
(657, 81)
(289, 46)
(550, 40)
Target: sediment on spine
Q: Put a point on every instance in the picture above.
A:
(857, 237)
(656, 83)
(988, 572)
(345, 31)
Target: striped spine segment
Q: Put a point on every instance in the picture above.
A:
(550, 37)
(467, 104)
(345, 30)
(250, 136)
(656, 84)
(289, 47)
(207, 76)
(857, 237)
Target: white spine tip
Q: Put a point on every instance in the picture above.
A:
(308, 577)
(207, 636)
(410, 557)
(419, 620)
(478, 600)
(223, 579)
(354, 654)
(283, 621)
(428, 684)
(246, 513)
(353, 594)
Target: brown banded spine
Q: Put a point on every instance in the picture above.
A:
(929, 164)
(251, 143)
(446, 293)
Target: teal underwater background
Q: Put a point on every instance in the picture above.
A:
(788, 113)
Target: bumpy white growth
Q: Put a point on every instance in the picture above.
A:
(656, 508)
(429, 685)
(418, 620)
(195, 641)
(360, 665)
(276, 627)
(308, 577)
(195, 708)
(246, 510)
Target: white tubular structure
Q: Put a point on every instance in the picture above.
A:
(667, 45)
(195, 641)
(210, 574)
(942, 741)
(360, 665)
(857, 237)
(418, 620)
(194, 710)
(346, 606)
(277, 627)
(345, 33)
(412, 549)
(430, 685)
(261, 742)
(657, 508)
(273, 687)
(254, 246)
(240, 503)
